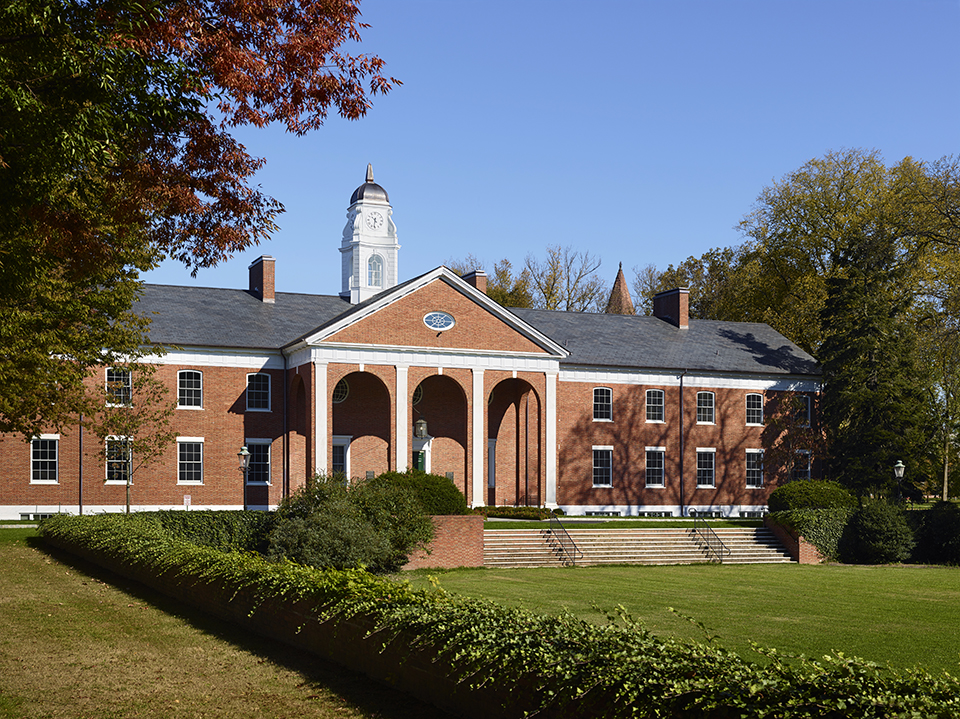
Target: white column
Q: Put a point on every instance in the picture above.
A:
(550, 420)
(403, 420)
(478, 480)
(321, 432)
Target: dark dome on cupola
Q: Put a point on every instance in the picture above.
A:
(369, 190)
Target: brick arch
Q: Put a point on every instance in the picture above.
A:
(445, 408)
(514, 420)
(365, 416)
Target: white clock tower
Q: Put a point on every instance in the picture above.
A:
(369, 247)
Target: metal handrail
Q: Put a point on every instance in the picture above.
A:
(568, 548)
(710, 538)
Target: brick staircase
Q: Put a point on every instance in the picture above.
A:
(537, 548)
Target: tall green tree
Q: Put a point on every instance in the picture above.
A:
(116, 151)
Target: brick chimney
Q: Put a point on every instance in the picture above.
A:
(673, 306)
(262, 278)
(477, 279)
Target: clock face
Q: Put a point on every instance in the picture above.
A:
(374, 220)
(439, 321)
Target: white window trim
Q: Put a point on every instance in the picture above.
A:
(746, 408)
(190, 406)
(106, 463)
(246, 394)
(762, 469)
(663, 406)
(809, 455)
(663, 483)
(805, 422)
(48, 437)
(592, 466)
(593, 410)
(713, 407)
(713, 451)
(249, 442)
(192, 440)
(343, 440)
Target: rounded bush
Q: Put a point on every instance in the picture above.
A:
(331, 524)
(811, 494)
(938, 534)
(878, 533)
(437, 495)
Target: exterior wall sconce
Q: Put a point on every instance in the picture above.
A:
(244, 456)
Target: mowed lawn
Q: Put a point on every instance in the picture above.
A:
(78, 642)
(904, 616)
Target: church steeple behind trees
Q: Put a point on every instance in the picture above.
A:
(620, 302)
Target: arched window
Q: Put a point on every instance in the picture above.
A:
(190, 389)
(654, 405)
(375, 271)
(704, 407)
(755, 409)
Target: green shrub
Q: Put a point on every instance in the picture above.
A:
(878, 533)
(331, 524)
(811, 494)
(823, 528)
(437, 495)
(938, 534)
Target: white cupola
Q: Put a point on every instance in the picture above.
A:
(369, 248)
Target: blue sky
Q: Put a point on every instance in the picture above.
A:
(640, 131)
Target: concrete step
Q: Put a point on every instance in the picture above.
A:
(533, 547)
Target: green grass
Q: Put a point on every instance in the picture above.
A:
(605, 523)
(76, 641)
(903, 616)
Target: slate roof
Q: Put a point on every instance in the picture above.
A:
(602, 340)
(210, 317)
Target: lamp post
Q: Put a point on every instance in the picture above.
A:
(898, 473)
(244, 457)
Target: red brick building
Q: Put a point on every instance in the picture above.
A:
(594, 413)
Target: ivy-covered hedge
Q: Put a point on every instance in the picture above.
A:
(823, 528)
(224, 530)
(562, 665)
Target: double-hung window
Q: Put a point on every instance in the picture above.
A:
(602, 404)
(45, 459)
(340, 455)
(755, 409)
(705, 407)
(802, 403)
(119, 387)
(189, 389)
(258, 470)
(258, 391)
(754, 468)
(603, 466)
(119, 456)
(801, 464)
(190, 460)
(706, 467)
(655, 476)
(655, 405)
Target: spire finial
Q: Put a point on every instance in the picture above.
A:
(369, 172)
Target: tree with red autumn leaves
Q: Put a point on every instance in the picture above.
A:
(115, 152)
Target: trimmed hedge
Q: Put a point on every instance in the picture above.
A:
(562, 666)
(532, 513)
(937, 533)
(877, 533)
(811, 494)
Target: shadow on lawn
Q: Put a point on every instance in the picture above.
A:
(354, 688)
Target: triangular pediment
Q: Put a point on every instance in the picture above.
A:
(405, 316)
